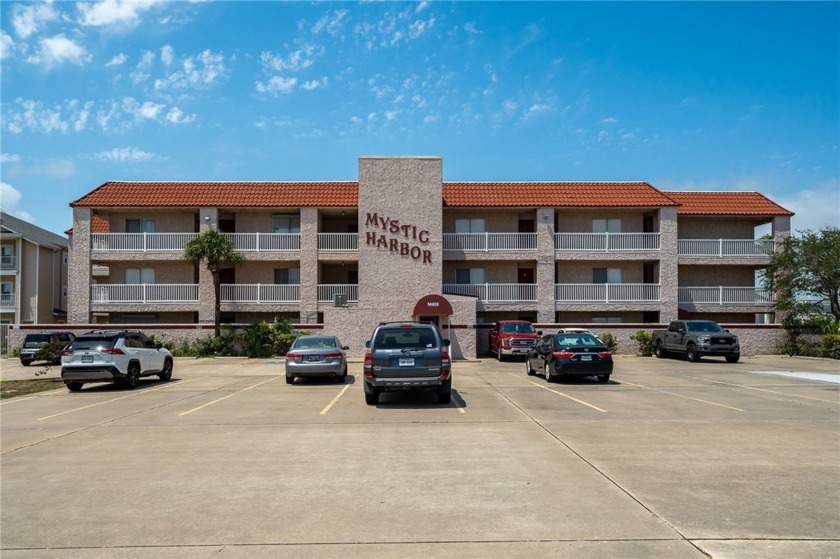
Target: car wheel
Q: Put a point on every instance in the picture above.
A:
(166, 373)
(658, 350)
(691, 354)
(74, 386)
(603, 378)
(26, 362)
(342, 378)
(531, 372)
(444, 393)
(732, 358)
(548, 377)
(132, 377)
(290, 380)
(371, 398)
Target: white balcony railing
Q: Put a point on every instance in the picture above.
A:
(606, 242)
(140, 242)
(744, 248)
(606, 292)
(490, 242)
(721, 295)
(338, 242)
(144, 293)
(259, 293)
(265, 242)
(8, 261)
(327, 292)
(7, 299)
(495, 292)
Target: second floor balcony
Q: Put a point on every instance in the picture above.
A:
(141, 293)
(606, 242)
(8, 262)
(7, 300)
(606, 292)
(726, 248)
(243, 242)
(724, 295)
(495, 292)
(490, 242)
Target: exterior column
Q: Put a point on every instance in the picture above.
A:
(308, 265)
(208, 218)
(669, 280)
(546, 305)
(79, 276)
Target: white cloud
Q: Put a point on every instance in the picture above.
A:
(422, 6)
(9, 158)
(7, 45)
(331, 23)
(28, 19)
(816, 206)
(124, 154)
(315, 84)
(535, 109)
(142, 111)
(30, 115)
(118, 60)
(277, 85)
(303, 57)
(200, 71)
(109, 12)
(177, 116)
(167, 55)
(57, 50)
(391, 115)
(608, 120)
(10, 200)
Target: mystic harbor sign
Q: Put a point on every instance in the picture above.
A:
(403, 238)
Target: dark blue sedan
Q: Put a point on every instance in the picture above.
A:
(578, 355)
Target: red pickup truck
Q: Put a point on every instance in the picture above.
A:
(512, 337)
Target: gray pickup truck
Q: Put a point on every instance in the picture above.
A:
(696, 338)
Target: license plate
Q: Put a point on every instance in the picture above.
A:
(586, 358)
(406, 361)
(87, 358)
(314, 358)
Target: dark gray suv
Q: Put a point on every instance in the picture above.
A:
(407, 356)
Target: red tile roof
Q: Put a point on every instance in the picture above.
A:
(553, 194)
(726, 203)
(98, 225)
(222, 194)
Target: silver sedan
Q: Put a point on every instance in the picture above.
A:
(316, 356)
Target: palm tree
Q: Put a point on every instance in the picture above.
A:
(216, 250)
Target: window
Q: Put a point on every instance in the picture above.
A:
(7, 253)
(606, 320)
(6, 292)
(464, 276)
(287, 276)
(285, 223)
(139, 275)
(606, 225)
(475, 225)
(606, 275)
(139, 225)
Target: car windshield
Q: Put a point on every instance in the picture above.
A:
(93, 342)
(703, 326)
(314, 343)
(523, 328)
(37, 338)
(583, 340)
(399, 338)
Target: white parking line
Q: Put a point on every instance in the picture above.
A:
(334, 400)
(228, 396)
(596, 408)
(788, 394)
(681, 396)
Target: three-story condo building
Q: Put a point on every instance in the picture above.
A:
(401, 243)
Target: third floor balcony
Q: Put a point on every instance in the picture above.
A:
(606, 242)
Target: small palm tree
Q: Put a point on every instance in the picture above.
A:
(212, 247)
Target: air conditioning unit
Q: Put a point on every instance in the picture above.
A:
(340, 299)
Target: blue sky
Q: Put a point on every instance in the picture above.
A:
(686, 96)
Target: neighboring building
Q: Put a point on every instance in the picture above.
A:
(33, 273)
(401, 243)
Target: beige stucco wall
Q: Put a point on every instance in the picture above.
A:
(699, 276)
(704, 227)
(581, 272)
(580, 221)
(494, 222)
(494, 272)
(165, 272)
(165, 221)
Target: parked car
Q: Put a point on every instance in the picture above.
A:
(579, 355)
(32, 343)
(122, 356)
(512, 337)
(577, 331)
(407, 356)
(316, 356)
(695, 339)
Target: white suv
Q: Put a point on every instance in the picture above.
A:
(122, 357)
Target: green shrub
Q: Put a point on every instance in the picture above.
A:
(645, 341)
(830, 346)
(212, 346)
(609, 341)
(50, 353)
(267, 339)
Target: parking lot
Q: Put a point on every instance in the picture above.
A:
(668, 459)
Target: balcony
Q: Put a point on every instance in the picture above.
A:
(8, 262)
(495, 292)
(721, 295)
(490, 242)
(7, 301)
(606, 292)
(726, 248)
(338, 242)
(143, 293)
(259, 293)
(327, 292)
(606, 242)
(175, 242)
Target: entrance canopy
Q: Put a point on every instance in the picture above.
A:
(432, 305)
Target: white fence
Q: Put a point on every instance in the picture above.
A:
(606, 292)
(259, 293)
(748, 248)
(327, 292)
(495, 292)
(719, 295)
(338, 242)
(490, 242)
(174, 242)
(8, 261)
(606, 242)
(265, 242)
(144, 293)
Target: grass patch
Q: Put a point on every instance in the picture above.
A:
(12, 388)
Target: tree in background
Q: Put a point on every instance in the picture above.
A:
(804, 273)
(217, 251)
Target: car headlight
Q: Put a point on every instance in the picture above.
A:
(703, 339)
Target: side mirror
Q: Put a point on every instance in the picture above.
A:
(680, 330)
(539, 332)
(159, 345)
(367, 343)
(446, 342)
(345, 347)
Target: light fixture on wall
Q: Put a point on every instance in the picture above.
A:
(206, 218)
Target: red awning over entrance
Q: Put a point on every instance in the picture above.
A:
(432, 305)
